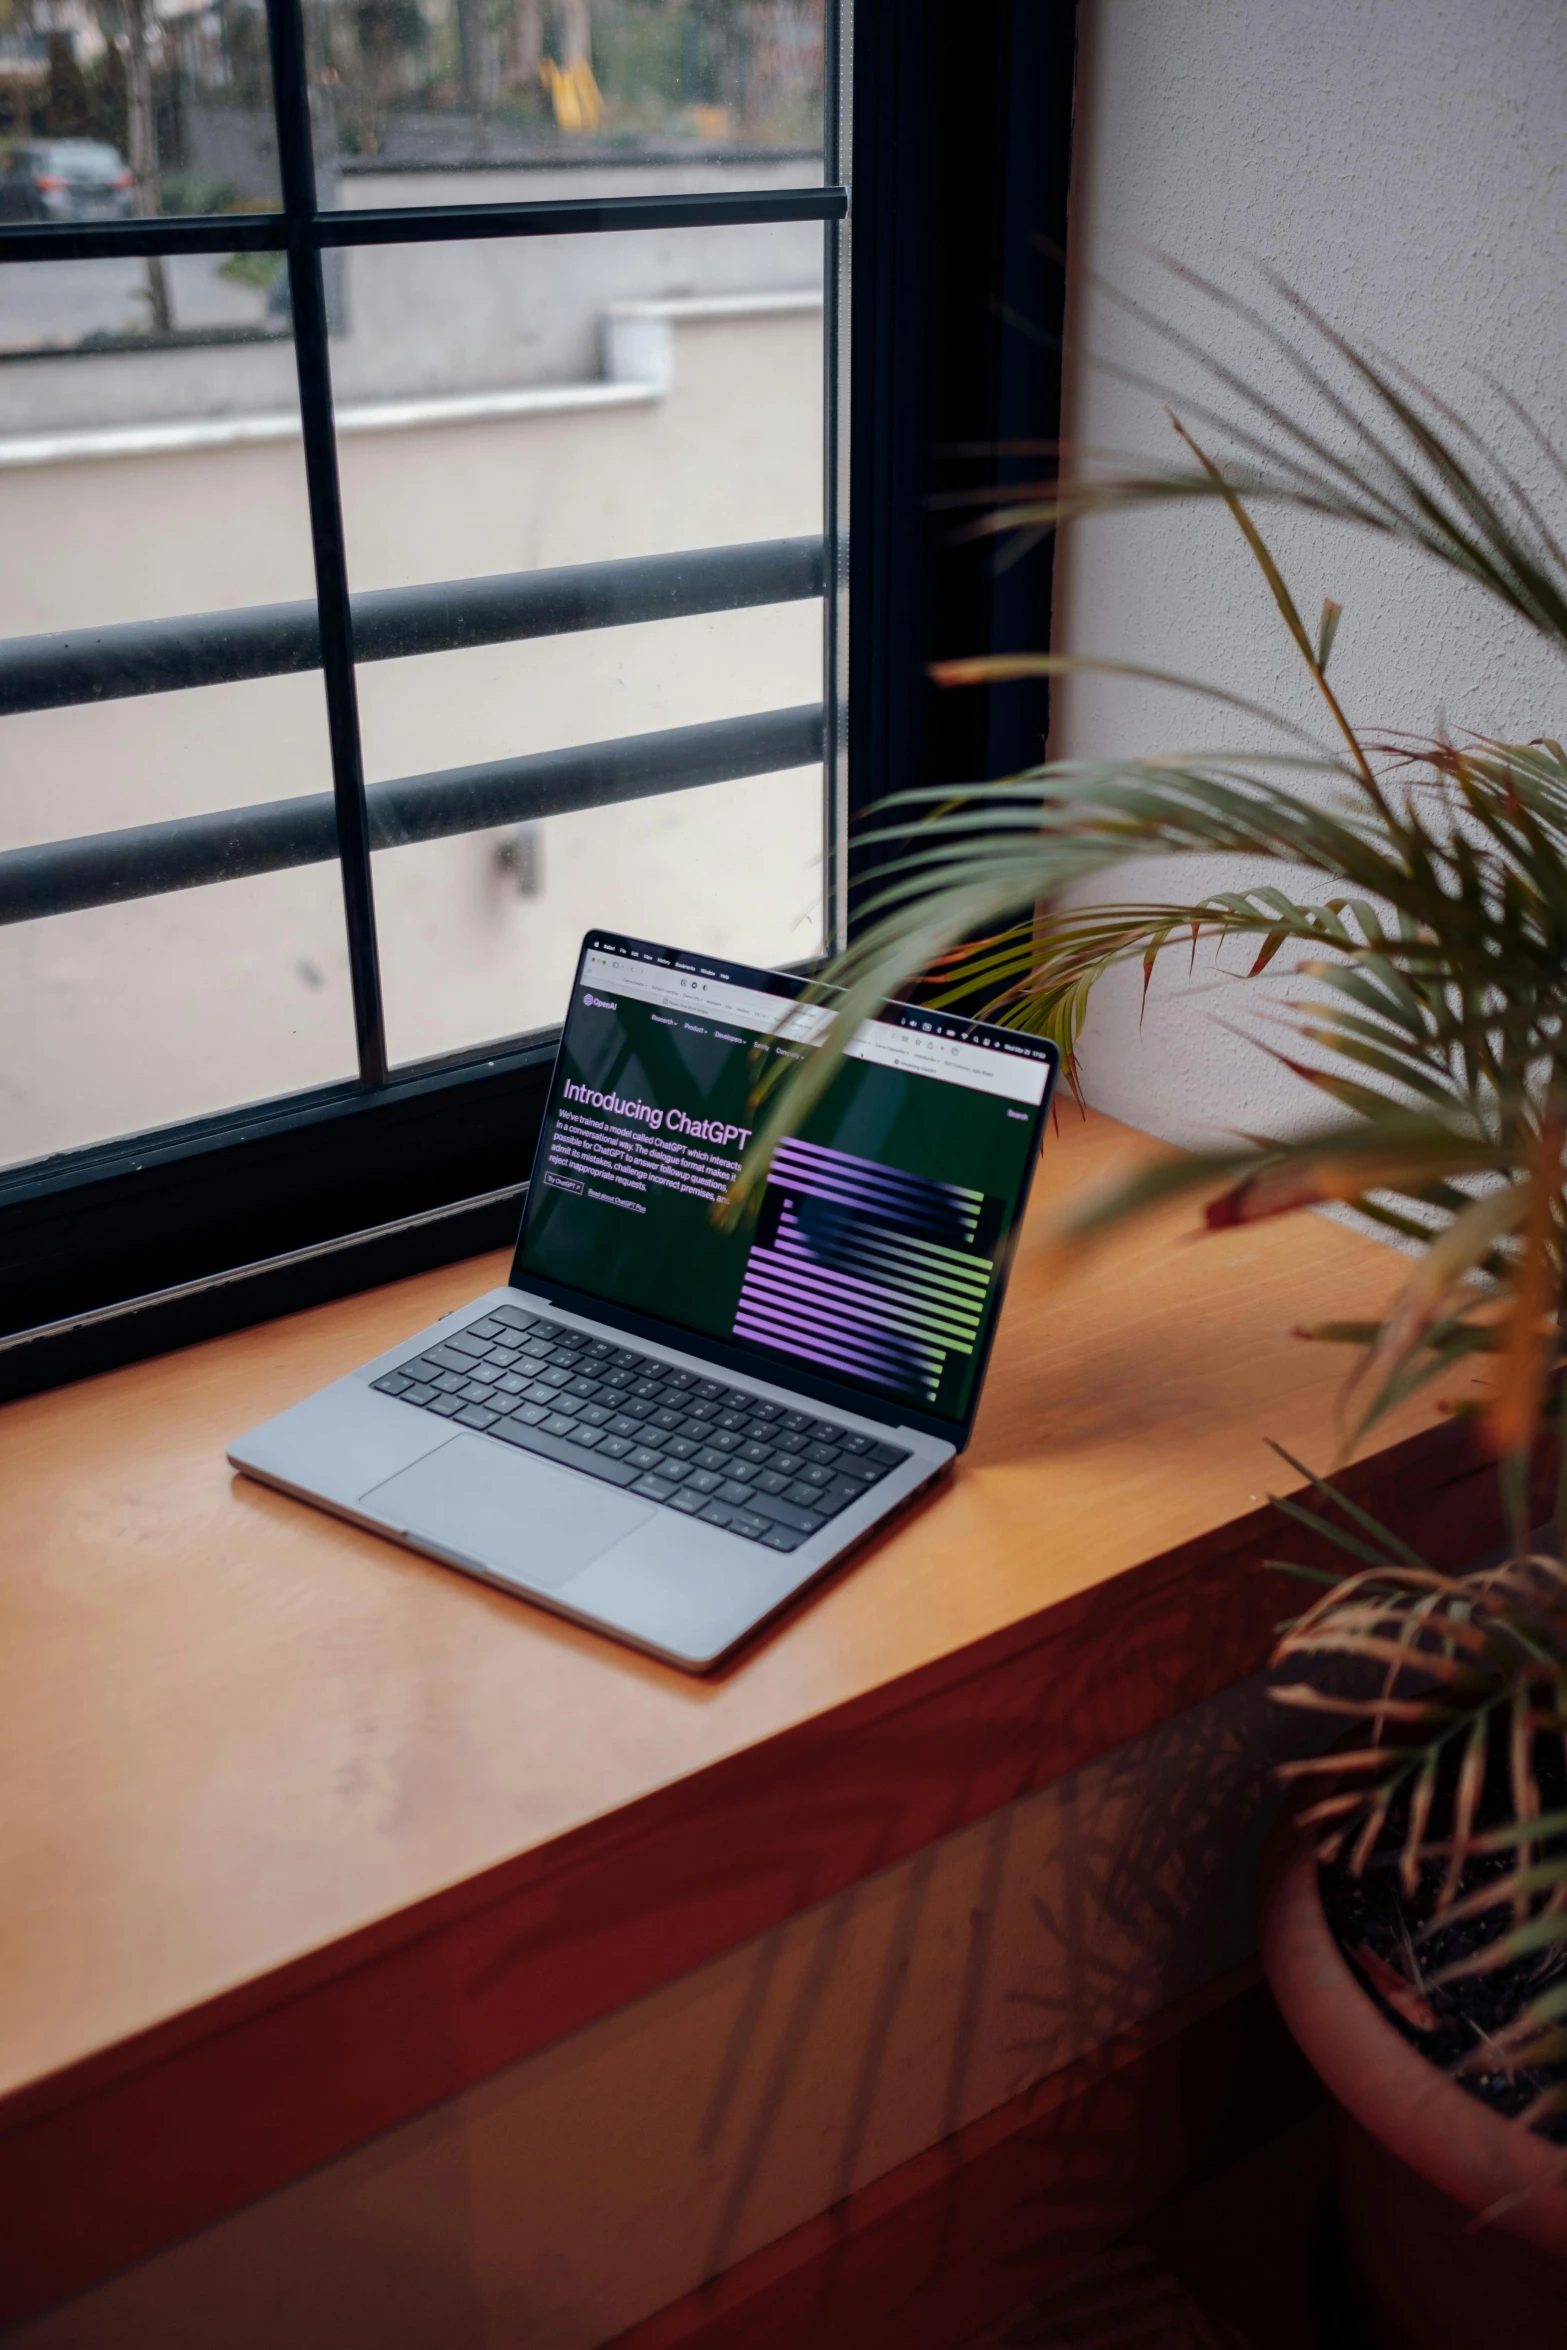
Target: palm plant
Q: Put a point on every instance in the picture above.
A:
(1464, 1722)
(1427, 947)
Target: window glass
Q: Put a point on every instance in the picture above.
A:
(107, 112)
(209, 301)
(507, 408)
(173, 1007)
(687, 420)
(136, 112)
(406, 93)
(152, 487)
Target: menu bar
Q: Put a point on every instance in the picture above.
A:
(922, 1051)
(715, 999)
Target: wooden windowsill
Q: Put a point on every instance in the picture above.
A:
(305, 1833)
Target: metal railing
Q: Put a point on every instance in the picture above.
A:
(273, 640)
(392, 624)
(148, 860)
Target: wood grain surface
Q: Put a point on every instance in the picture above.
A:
(300, 1833)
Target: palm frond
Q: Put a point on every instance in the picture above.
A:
(1395, 923)
(1427, 971)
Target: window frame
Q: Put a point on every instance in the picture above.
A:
(126, 1249)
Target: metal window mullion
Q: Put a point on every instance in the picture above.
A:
(307, 297)
(838, 55)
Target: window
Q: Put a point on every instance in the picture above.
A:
(424, 430)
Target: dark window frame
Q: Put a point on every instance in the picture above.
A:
(114, 1253)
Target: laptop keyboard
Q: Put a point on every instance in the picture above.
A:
(716, 1453)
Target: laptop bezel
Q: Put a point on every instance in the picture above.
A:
(736, 1355)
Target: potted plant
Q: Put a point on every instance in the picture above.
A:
(1416, 1926)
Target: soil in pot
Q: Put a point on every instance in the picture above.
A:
(1386, 1936)
(1454, 2212)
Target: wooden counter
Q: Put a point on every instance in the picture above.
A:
(302, 1833)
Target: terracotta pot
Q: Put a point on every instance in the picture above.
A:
(1455, 2218)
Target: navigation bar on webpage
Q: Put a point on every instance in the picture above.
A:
(919, 1052)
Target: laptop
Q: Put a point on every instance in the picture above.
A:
(664, 1426)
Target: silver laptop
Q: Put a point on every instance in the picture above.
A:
(662, 1426)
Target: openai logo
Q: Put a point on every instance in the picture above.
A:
(597, 1003)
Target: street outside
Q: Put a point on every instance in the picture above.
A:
(65, 301)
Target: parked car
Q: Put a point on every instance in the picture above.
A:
(64, 179)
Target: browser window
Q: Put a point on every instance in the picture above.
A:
(877, 1251)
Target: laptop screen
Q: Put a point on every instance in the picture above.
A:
(877, 1254)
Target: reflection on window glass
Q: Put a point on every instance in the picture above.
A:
(427, 85)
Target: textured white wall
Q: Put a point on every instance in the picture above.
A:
(1403, 164)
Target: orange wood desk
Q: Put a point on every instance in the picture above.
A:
(300, 1833)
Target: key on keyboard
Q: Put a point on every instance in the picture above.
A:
(695, 1445)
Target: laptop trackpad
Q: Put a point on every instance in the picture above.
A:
(510, 1513)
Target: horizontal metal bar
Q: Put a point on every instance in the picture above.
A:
(577, 154)
(582, 216)
(148, 860)
(104, 240)
(415, 224)
(391, 624)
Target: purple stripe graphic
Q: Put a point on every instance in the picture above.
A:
(874, 1297)
(864, 1271)
(876, 1170)
(929, 1258)
(838, 1313)
(837, 1357)
(866, 1346)
(887, 1268)
(799, 1277)
(864, 1203)
(835, 1174)
(811, 1320)
(899, 1208)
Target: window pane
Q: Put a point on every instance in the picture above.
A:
(524, 87)
(479, 934)
(212, 301)
(137, 488)
(698, 427)
(170, 1008)
(138, 108)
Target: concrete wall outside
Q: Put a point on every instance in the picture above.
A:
(1405, 168)
(420, 318)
